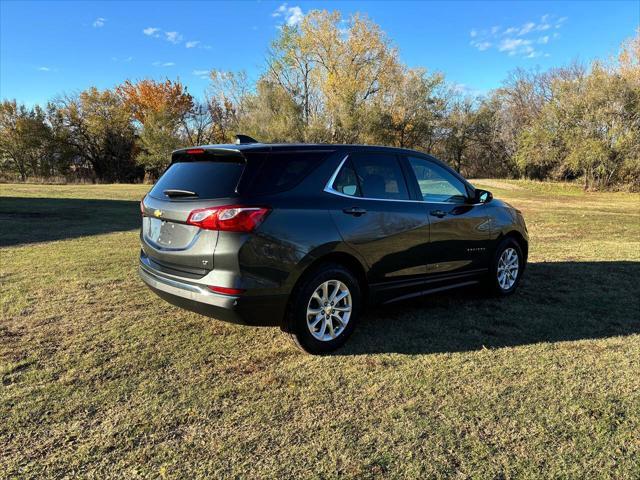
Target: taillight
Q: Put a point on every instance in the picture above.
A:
(195, 151)
(226, 290)
(229, 218)
(142, 206)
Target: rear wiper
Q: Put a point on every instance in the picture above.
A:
(179, 193)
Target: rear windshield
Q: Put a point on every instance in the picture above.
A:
(208, 179)
(279, 171)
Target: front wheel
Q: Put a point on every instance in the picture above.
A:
(324, 309)
(507, 268)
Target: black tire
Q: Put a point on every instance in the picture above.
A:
(297, 313)
(492, 282)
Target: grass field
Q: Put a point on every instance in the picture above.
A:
(101, 379)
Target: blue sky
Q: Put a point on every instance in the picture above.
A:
(48, 48)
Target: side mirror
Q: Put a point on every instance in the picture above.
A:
(483, 196)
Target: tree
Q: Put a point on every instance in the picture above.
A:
(409, 115)
(149, 97)
(275, 116)
(353, 63)
(290, 66)
(25, 138)
(590, 127)
(159, 137)
(232, 89)
(160, 109)
(489, 154)
(458, 131)
(99, 130)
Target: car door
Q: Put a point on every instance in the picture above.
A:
(459, 229)
(375, 215)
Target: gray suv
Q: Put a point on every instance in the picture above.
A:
(305, 236)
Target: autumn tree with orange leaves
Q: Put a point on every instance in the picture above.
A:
(149, 97)
(160, 108)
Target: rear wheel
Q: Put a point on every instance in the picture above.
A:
(324, 309)
(507, 268)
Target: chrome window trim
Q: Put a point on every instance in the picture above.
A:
(329, 189)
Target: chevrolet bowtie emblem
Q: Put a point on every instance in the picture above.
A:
(157, 213)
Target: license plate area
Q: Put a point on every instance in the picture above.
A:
(170, 235)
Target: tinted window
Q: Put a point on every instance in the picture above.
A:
(380, 176)
(436, 183)
(280, 171)
(347, 182)
(207, 179)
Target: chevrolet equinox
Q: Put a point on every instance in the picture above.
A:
(305, 236)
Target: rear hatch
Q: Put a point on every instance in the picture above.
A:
(195, 179)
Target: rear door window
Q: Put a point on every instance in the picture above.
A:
(380, 176)
(207, 179)
(280, 171)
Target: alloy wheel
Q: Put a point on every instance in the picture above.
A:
(508, 267)
(329, 310)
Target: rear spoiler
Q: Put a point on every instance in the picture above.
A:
(208, 153)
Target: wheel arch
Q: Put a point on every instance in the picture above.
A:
(522, 242)
(344, 259)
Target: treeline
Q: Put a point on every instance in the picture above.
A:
(329, 80)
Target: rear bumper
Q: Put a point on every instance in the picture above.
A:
(247, 310)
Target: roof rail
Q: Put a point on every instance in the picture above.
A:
(242, 139)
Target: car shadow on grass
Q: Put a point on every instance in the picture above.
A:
(556, 302)
(31, 220)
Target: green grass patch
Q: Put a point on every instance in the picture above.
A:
(100, 379)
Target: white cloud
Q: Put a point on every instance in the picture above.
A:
(482, 46)
(466, 90)
(163, 64)
(151, 31)
(518, 40)
(292, 16)
(99, 22)
(202, 74)
(44, 69)
(192, 43)
(173, 37)
(514, 46)
(280, 10)
(526, 28)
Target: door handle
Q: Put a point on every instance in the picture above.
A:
(438, 213)
(355, 211)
